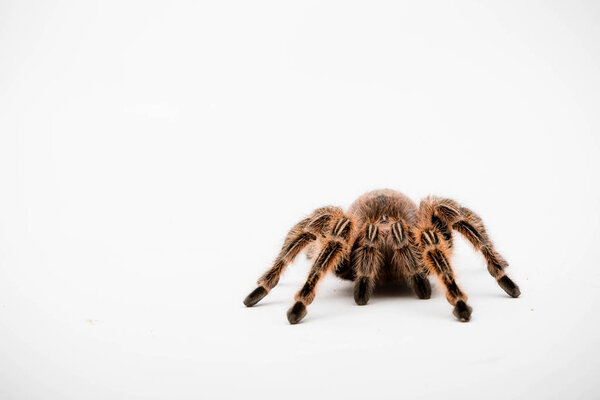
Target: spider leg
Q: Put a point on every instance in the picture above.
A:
(303, 233)
(367, 262)
(333, 251)
(435, 258)
(406, 255)
(471, 227)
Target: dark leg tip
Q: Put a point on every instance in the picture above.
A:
(421, 286)
(296, 313)
(362, 291)
(256, 296)
(462, 311)
(509, 286)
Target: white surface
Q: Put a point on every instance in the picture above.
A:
(153, 156)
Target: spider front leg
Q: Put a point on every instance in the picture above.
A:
(303, 233)
(335, 248)
(447, 214)
(406, 256)
(471, 226)
(367, 259)
(435, 258)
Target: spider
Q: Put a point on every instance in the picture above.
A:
(384, 237)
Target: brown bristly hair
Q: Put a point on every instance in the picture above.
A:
(383, 237)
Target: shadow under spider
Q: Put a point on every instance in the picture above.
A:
(392, 290)
(386, 290)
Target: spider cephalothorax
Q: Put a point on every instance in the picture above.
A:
(383, 237)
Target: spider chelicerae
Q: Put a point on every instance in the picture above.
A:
(384, 237)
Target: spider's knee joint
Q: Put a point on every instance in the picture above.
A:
(319, 223)
(447, 211)
(429, 237)
(371, 233)
(342, 228)
(398, 231)
(437, 262)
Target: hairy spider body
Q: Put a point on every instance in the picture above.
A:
(384, 237)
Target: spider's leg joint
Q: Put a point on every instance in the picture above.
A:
(342, 228)
(429, 237)
(399, 233)
(371, 233)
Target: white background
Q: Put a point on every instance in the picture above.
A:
(153, 156)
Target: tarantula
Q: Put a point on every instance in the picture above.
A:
(384, 237)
